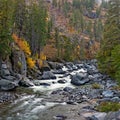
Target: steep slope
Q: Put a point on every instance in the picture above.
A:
(82, 26)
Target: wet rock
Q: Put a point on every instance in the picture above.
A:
(79, 79)
(71, 66)
(55, 65)
(48, 75)
(62, 81)
(108, 93)
(60, 117)
(71, 102)
(113, 116)
(45, 84)
(68, 89)
(60, 71)
(25, 82)
(57, 91)
(7, 85)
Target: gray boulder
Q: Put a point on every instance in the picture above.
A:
(26, 82)
(7, 85)
(79, 79)
(48, 75)
(108, 93)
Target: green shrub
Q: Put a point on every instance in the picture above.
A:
(108, 106)
(96, 86)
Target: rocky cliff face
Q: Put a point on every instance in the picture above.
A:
(19, 62)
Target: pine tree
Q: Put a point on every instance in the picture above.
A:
(111, 38)
(5, 28)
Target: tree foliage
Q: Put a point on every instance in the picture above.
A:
(109, 54)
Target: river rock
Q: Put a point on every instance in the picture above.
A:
(7, 96)
(25, 82)
(48, 75)
(45, 84)
(60, 71)
(97, 116)
(7, 85)
(68, 89)
(108, 93)
(62, 81)
(60, 117)
(79, 79)
(5, 72)
(113, 116)
(55, 65)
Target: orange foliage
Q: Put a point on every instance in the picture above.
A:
(30, 62)
(23, 44)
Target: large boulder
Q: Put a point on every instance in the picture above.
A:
(7, 85)
(25, 82)
(55, 65)
(48, 75)
(79, 79)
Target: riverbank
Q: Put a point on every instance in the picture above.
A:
(73, 91)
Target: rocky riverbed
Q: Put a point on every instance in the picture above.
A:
(69, 91)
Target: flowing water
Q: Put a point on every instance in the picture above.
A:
(33, 107)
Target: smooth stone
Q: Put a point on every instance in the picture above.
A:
(108, 93)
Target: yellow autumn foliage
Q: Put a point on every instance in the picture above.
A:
(40, 63)
(23, 44)
(42, 56)
(30, 62)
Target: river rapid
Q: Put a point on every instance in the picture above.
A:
(54, 100)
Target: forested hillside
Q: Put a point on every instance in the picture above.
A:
(109, 54)
(53, 30)
(77, 28)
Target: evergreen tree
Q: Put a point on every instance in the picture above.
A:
(111, 38)
(5, 28)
